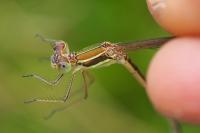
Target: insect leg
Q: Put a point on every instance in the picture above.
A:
(134, 70)
(61, 100)
(52, 83)
(69, 89)
(86, 75)
(89, 79)
(85, 85)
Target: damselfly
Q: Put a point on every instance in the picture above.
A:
(105, 54)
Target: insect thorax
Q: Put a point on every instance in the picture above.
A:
(114, 51)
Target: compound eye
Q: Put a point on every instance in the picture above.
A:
(63, 65)
(54, 59)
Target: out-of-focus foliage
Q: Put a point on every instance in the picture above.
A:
(116, 103)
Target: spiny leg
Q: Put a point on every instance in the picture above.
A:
(61, 100)
(85, 85)
(52, 83)
(89, 79)
(135, 71)
(86, 75)
(69, 89)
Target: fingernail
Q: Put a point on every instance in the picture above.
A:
(156, 5)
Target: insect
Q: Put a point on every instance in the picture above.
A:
(105, 54)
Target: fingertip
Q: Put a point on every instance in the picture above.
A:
(179, 17)
(173, 80)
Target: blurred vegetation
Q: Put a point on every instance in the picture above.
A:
(116, 103)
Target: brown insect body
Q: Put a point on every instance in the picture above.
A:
(102, 55)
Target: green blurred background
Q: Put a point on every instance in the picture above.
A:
(116, 103)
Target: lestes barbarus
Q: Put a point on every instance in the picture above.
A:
(104, 54)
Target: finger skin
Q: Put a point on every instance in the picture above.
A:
(179, 17)
(173, 80)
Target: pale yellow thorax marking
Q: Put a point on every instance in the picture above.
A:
(90, 54)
